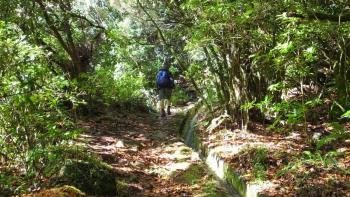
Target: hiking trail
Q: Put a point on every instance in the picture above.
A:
(148, 156)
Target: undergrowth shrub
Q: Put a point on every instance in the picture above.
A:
(308, 167)
(338, 134)
(179, 97)
(77, 167)
(34, 115)
(64, 165)
(309, 161)
(113, 86)
(286, 115)
(256, 158)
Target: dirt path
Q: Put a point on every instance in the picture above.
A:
(149, 158)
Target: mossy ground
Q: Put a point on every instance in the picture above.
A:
(64, 191)
(201, 180)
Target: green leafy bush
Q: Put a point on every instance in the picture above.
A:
(307, 159)
(91, 177)
(35, 100)
(257, 158)
(337, 134)
(179, 97)
(113, 85)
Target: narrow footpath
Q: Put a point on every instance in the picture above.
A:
(148, 156)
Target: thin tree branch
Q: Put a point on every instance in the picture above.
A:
(52, 27)
(321, 17)
(154, 23)
(91, 23)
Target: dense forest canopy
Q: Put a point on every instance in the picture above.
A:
(285, 64)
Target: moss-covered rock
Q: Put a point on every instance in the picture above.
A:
(93, 177)
(191, 175)
(65, 191)
(211, 189)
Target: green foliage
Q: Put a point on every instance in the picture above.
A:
(258, 158)
(309, 161)
(71, 165)
(114, 85)
(179, 97)
(248, 106)
(259, 172)
(192, 175)
(210, 189)
(337, 134)
(91, 177)
(260, 163)
(346, 114)
(315, 158)
(287, 112)
(133, 92)
(283, 53)
(7, 179)
(34, 103)
(205, 81)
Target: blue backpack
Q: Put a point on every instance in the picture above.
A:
(163, 79)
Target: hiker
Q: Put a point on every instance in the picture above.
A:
(165, 85)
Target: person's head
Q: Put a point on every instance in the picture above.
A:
(166, 63)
